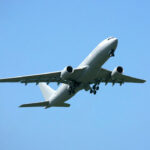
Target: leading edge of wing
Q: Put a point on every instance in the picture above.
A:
(44, 77)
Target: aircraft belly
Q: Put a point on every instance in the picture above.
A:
(93, 62)
(94, 67)
(62, 95)
(89, 75)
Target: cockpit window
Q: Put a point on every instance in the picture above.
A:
(110, 38)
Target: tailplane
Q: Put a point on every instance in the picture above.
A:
(39, 104)
(45, 104)
(46, 90)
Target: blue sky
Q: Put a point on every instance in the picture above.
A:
(44, 36)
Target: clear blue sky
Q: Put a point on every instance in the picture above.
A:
(44, 36)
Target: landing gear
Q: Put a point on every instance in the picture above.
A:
(94, 86)
(94, 89)
(97, 88)
(72, 87)
(111, 54)
(71, 91)
(91, 91)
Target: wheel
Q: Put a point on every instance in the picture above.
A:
(94, 86)
(112, 53)
(91, 91)
(97, 88)
(94, 92)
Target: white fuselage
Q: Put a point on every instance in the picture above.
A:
(92, 62)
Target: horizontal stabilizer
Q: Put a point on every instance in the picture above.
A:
(39, 104)
(62, 105)
(45, 104)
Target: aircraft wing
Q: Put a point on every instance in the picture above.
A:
(45, 77)
(105, 76)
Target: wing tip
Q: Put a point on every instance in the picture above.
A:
(23, 105)
(143, 81)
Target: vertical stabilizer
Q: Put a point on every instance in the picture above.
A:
(46, 90)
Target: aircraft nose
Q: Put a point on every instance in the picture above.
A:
(115, 40)
(115, 43)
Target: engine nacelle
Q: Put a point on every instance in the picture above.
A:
(118, 70)
(66, 72)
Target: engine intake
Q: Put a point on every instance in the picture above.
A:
(69, 69)
(66, 72)
(118, 70)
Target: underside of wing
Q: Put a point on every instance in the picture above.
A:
(106, 76)
(46, 77)
(126, 78)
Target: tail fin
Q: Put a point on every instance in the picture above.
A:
(46, 90)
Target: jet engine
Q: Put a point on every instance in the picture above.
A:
(66, 72)
(118, 70)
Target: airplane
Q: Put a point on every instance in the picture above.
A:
(88, 75)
